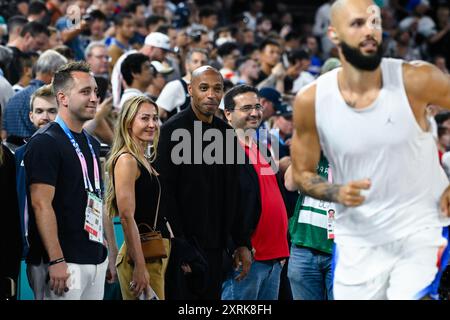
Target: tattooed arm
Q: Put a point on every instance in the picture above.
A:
(305, 152)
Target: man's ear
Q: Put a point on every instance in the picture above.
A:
(227, 114)
(190, 89)
(62, 99)
(332, 35)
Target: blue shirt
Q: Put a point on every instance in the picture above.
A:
(16, 120)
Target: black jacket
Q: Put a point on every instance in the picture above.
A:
(199, 199)
(250, 200)
(11, 234)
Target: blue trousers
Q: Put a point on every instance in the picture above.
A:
(261, 283)
(310, 274)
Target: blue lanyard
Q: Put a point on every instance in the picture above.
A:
(87, 182)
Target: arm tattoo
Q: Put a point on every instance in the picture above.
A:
(317, 187)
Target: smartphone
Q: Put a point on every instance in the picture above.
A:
(149, 294)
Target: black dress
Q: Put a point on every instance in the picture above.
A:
(11, 239)
(147, 190)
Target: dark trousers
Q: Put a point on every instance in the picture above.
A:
(215, 275)
(205, 284)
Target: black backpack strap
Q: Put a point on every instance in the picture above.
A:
(187, 101)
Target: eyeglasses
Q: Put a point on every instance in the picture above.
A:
(249, 108)
(102, 57)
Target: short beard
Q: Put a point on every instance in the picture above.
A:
(360, 61)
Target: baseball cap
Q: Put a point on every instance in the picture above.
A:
(158, 40)
(162, 68)
(284, 110)
(272, 95)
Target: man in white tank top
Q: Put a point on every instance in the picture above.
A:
(369, 118)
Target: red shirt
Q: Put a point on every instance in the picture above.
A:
(269, 239)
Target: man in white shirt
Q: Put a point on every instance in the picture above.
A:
(155, 47)
(137, 72)
(174, 96)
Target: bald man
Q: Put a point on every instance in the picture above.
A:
(200, 192)
(369, 119)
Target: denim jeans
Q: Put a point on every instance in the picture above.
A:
(261, 283)
(310, 274)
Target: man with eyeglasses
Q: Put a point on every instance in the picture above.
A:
(262, 204)
(97, 57)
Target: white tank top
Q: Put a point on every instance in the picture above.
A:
(382, 142)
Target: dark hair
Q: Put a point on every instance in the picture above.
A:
(228, 98)
(132, 64)
(36, 7)
(207, 11)
(16, 21)
(165, 28)
(223, 29)
(34, 28)
(119, 19)
(442, 117)
(63, 80)
(268, 42)
(226, 49)
(298, 55)
(248, 49)
(442, 130)
(261, 19)
(66, 51)
(154, 20)
(292, 35)
(132, 7)
(26, 60)
(98, 15)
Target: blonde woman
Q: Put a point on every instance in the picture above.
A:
(133, 193)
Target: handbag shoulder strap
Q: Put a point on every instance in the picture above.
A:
(159, 200)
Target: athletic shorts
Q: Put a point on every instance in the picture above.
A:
(408, 268)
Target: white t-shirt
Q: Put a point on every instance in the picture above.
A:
(303, 79)
(172, 96)
(116, 78)
(129, 93)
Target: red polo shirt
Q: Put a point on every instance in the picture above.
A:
(270, 236)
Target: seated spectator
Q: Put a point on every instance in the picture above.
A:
(228, 55)
(137, 72)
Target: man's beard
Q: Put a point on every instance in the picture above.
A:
(360, 61)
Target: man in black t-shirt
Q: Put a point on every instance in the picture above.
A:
(67, 257)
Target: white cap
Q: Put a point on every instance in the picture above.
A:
(158, 40)
(162, 68)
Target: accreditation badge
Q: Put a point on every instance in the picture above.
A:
(330, 223)
(93, 223)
